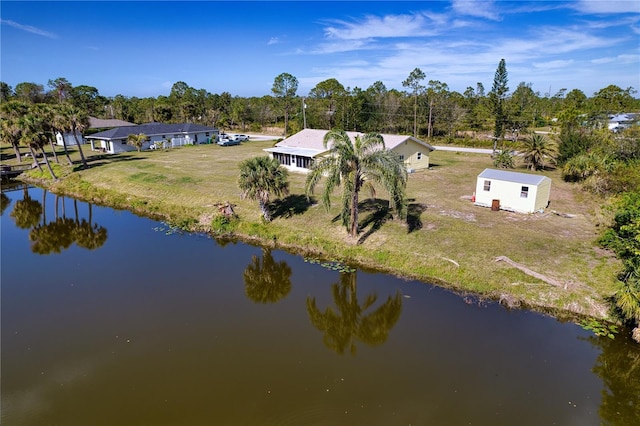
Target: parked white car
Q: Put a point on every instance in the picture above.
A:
(239, 137)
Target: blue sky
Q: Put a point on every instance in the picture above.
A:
(142, 48)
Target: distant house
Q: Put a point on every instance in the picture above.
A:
(620, 122)
(299, 151)
(513, 191)
(114, 140)
(94, 124)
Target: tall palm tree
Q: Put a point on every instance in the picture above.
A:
(10, 130)
(76, 121)
(538, 150)
(59, 124)
(350, 322)
(34, 136)
(47, 114)
(260, 177)
(357, 165)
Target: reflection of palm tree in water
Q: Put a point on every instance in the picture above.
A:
(26, 212)
(265, 280)
(61, 233)
(618, 365)
(342, 328)
(87, 235)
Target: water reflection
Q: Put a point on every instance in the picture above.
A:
(618, 365)
(54, 236)
(26, 212)
(265, 280)
(342, 328)
(4, 202)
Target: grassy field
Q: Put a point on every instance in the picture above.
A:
(447, 239)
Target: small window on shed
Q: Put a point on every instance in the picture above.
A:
(524, 192)
(487, 185)
(401, 157)
(123, 142)
(419, 156)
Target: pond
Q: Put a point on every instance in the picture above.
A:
(109, 318)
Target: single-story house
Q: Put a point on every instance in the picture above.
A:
(158, 135)
(513, 191)
(94, 123)
(299, 151)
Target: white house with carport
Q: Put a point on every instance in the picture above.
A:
(512, 191)
(114, 140)
(299, 151)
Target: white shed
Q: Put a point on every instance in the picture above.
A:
(513, 191)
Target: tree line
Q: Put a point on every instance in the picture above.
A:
(428, 108)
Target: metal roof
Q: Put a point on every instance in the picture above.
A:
(151, 129)
(515, 177)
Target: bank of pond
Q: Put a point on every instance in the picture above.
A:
(112, 318)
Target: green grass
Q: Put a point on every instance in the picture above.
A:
(451, 241)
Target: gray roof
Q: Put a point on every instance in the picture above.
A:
(516, 177)
(151, 129)
(100, 123)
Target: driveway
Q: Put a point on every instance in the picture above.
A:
(461, 149)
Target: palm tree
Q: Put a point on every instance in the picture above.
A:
(59, 124)
(34, 136)
(47, 114)
(265, 280)
(260, 177)
(357, 165)
(537, 150)
(10, 130)
(75, 121)
(350, 323)
(137, 140)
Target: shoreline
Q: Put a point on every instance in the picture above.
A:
(148, 209)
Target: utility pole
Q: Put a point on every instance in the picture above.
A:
(304, 113)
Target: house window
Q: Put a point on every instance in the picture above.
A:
(401, 157)
(206, 135)
(524, 192)
(164, 136)
(487, 185)
(123, 141)
(419, 156)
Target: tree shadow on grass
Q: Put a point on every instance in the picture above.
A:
(293, 204)
(414, 211)
(378, 214)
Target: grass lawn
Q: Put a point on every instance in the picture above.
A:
(448, 240)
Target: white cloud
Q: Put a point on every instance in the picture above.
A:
(273, 40)
(553, 64)
(28, 28)
(607, 7)
(478, 9)
(383, 27)
(621, 59)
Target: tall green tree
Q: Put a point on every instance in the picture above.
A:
(6, 92)
(75, 121)
(29, 92)
(34, 136)
(356, 165)
(61, 88)
(10, 128)
(325, 106)
(498, 96)
(413, 82)
(261, 177)
(285, 87)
